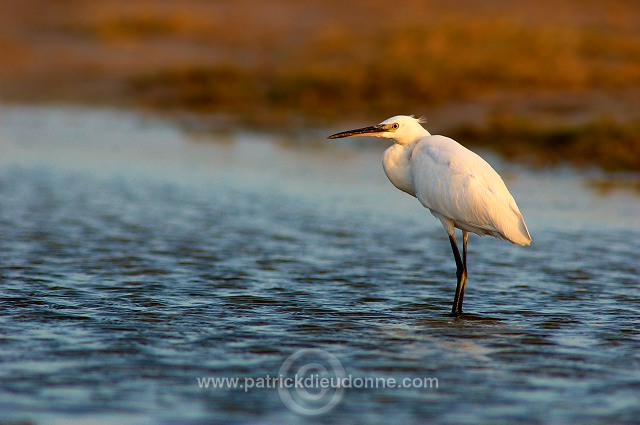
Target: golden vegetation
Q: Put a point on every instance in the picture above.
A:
(406, 69)
(319, 62)
(611, 144)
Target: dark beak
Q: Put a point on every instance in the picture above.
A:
(365, 131)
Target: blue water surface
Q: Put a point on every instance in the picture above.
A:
(137, 256)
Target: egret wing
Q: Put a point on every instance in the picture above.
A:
(457, 184)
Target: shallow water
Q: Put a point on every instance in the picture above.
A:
(136, 258)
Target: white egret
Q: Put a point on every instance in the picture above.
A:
(455, 184)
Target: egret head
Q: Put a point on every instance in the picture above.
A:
(402, 128)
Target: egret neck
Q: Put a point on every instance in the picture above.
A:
(396, 162)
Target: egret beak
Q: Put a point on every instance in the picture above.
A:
(365, 131)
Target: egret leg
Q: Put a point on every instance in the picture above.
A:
(461, 272)
(465, 237)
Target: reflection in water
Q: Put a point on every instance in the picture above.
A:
(134, 261)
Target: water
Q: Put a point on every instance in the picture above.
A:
(136, 258)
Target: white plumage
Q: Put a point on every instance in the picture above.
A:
(459, 187)
(462, 190)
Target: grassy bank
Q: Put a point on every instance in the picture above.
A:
(525, 79)
(405, 68)
(605, 142)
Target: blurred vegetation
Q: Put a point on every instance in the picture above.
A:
(613, 145)
(325, 63)
(404, 69)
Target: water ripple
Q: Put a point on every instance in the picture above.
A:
(119, 290)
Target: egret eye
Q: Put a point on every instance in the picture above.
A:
(395, 126)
